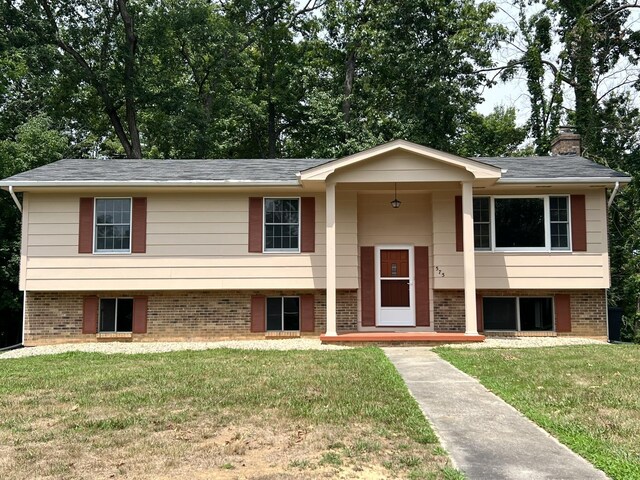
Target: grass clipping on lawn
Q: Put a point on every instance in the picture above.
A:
(588, 397)
(213, 414)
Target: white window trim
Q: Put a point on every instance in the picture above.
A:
(547, 226)
(115, 320)
(95, 227)
(266, 313)
(264, 227)
(517, 298)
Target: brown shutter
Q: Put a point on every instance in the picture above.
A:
(459, 241)
(563, 312)
(85, 233)
(255, 225)
(308, 224)
(258, 305)
(90, 315)
(368, 286)
(578, 223)
(479, 312)
(307, 314)
(421, 260)
(139, 225)
(140, 314)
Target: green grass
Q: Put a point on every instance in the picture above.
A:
(79, 414)
(586, 396)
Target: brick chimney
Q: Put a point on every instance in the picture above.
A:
(566, 143)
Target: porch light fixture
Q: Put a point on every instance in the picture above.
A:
(395, 203)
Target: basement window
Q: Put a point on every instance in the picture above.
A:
(283, 313)
(116, 315)
(531, 314)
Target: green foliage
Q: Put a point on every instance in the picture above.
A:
(34, 143)
(495, 134)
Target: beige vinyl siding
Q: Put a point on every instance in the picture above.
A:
(194, 241)
(519, 270)
(401, 167)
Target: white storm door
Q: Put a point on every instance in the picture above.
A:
(395, 294)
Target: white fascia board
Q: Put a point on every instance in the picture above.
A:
(151, 183)
(563, 180)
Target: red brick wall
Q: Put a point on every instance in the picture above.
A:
(588, 309)
(55, 317)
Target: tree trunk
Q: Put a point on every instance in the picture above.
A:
(350, 68)
(129, 81)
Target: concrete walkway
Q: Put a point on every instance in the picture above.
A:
(486, 437)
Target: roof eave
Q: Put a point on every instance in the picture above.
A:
(150, 183)
(566, 180)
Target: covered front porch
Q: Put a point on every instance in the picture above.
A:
(396, 264)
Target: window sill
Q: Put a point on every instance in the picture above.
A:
(114, 336)
(277, 334)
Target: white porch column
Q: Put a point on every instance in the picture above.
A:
(471, 325)
(331, 257)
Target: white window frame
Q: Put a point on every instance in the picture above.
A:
(517, 298)
(266, 313)
(264, 226)
(115, 312)
(547, 225)
(95, 227)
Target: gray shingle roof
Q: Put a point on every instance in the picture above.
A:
(269, 171)
(125, 170)
(560, 166)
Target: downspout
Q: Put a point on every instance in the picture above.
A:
(24, 315)
(15, 199)
(613, 194)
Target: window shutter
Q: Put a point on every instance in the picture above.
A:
(307, 314)
(563, 312)
(258, 306)
(459, 241)
(139, 225)
(90, 315)
(578, 223)
(308, 224)
(255, 225)
(140, 305)
(479, 312)
(421, 260)
(85, 233)
(368, 286)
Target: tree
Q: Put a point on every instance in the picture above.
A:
(34, 143)
(495, 134)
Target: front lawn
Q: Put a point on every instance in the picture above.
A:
(213, 414)
(586, 396)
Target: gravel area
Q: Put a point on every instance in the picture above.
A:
(288, 344)
(161, 347)
(529, 342)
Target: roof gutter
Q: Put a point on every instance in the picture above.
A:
(15, 199)
(154, 183)
(560, 180)
(613, 194)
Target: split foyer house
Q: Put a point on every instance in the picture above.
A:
(400, 239)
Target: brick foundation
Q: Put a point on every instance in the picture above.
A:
(588, 309)
(56, 317)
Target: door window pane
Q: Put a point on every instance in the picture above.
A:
(499, 313)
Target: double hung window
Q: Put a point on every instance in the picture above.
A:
(528, 223)
(281, 224)
(112, 225)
